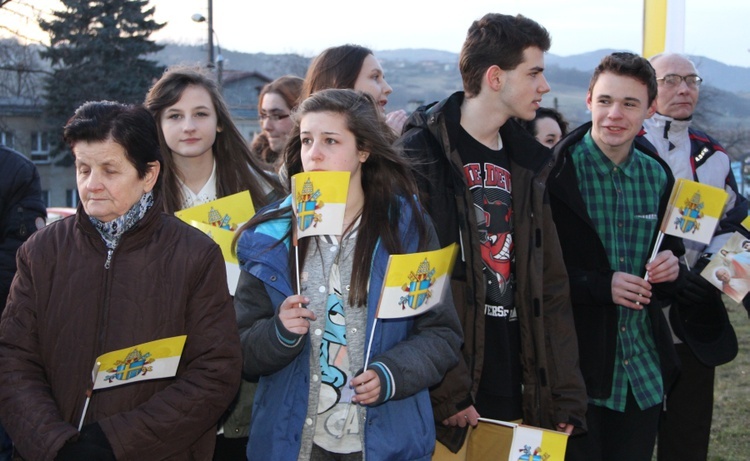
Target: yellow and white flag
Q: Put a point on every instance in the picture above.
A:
(663, 27)
(223, 238)
(694, 210)
(151, 360)
(227, 213)
(532, 443)
(319, 202)
(536, 444)
(219, 219)
(415, 282)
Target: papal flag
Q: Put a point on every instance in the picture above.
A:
(223, 238)
(151, 360)
(694, 210)
(536, 444)
(415, 282)
(663, 27)
(227, 213)
(532, 443)
(319, 202)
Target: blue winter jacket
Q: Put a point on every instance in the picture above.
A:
(402, 428)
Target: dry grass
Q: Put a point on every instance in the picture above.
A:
(730, 435)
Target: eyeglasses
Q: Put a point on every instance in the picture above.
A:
(692, 81)
(273, 117)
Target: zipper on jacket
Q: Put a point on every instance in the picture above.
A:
(102, 322)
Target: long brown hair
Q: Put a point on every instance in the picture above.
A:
(236, 168)
(387, 183)
(335, 67)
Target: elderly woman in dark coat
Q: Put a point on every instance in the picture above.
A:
(117, 274)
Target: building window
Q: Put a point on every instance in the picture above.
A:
(45, 197)
(39, 147)
(71, 198)
(6, 139)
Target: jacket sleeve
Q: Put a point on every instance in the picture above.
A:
(565, 379)
(206, 382)
(732, 220)
(22, 212)
(27, 406)
(267, 346)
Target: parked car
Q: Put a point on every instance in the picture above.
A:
(56, 213)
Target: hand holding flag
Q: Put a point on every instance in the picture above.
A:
(693, 212)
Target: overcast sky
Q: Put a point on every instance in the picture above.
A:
(716, 29)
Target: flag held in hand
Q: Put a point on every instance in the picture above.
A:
(694, 210)
(415, 282)
(319, 202)
(227, 213)
(532, 443)
(151, 360)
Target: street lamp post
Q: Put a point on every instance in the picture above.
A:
(197, 17)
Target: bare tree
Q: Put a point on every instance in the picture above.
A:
(20, 73)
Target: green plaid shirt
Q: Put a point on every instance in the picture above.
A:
(623, 203)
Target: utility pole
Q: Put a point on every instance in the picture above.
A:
(212, 62)
(210, 34)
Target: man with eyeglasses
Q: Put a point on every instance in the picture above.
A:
(685, 427)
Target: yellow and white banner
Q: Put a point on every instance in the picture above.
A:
(415, 282)
(227, 213)
(219, 219)
(142, 362)
(533, 443)
(663, 27)
(319, 202)
(694, 210)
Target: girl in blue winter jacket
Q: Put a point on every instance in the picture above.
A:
(314, 400)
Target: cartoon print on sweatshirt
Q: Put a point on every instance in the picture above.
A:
(337, 425)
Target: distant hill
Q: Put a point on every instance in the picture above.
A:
(418, 55)
(734, 79)
(422, 75)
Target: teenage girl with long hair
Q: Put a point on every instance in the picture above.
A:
(314, 399)
(205, 156)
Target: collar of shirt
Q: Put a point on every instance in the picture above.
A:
(602, 164)
(206, 194)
